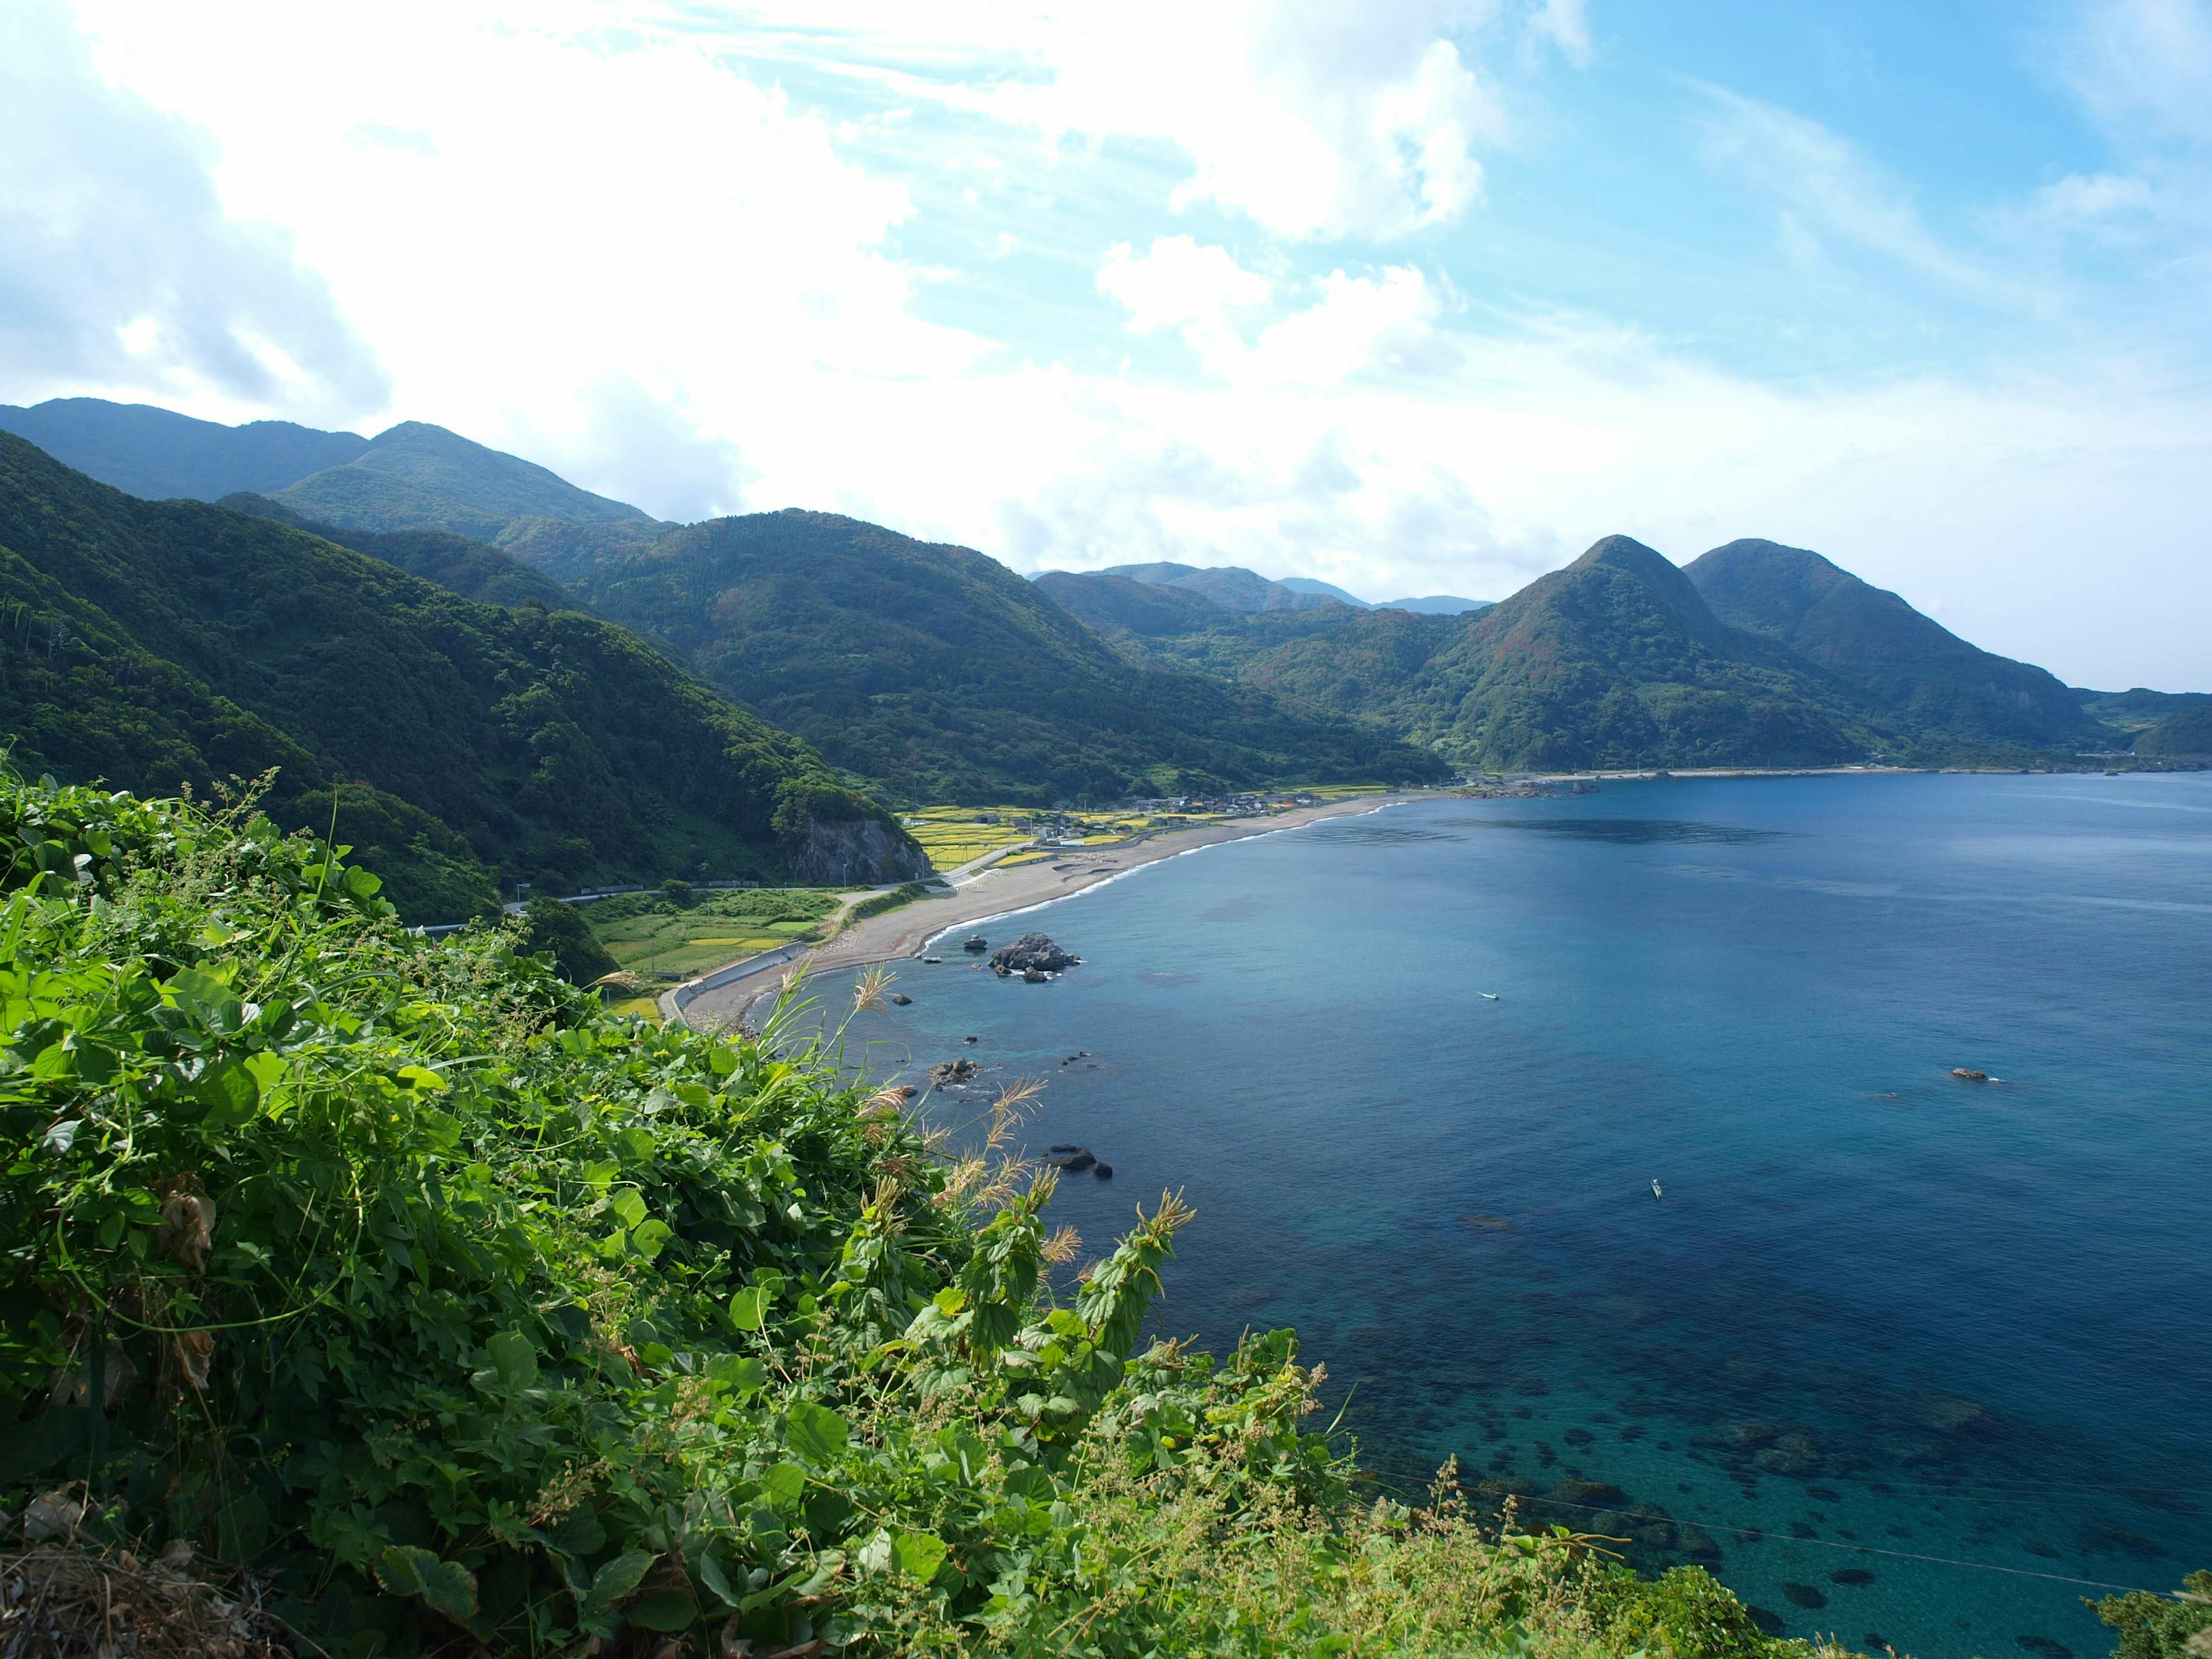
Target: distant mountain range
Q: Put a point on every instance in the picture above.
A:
(923, 671)
(460, 745)
(1235, 588)
(939, 674)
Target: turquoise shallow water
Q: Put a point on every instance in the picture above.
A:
(1879, 1314)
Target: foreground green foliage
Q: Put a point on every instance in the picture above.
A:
(2162, 1627)
(479, 1321)
(460, 745)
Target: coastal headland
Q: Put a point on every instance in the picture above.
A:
(978, 894)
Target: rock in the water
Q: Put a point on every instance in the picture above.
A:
(1033, 950)
(1970, 1074)
(1034, 976)
(1065, 1146)
(901, 998)
(952, 1070)
(1103, 1171)
(1077, 1161)
(977, 944)
(971, 1039)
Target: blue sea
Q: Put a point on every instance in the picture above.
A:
(1918, 1361)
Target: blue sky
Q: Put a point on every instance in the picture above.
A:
(1411, 295)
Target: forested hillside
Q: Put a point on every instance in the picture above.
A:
(940, 674)
(473, 569)
(1915, 675)
(156, 644)
(1616, 661)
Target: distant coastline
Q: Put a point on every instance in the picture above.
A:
(989, 893)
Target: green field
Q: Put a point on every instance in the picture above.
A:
(655, 935)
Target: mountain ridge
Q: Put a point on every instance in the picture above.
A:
(151, 642)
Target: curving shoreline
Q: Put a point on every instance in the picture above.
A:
(990, 893)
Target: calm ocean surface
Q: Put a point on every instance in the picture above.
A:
(1882, 1322)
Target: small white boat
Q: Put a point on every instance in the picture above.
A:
(1490, 996)
(1655, 1192)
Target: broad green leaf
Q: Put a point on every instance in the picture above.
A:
(918, 1554)
(206, 998)
(361, 884)
(628, 1207)
(648, 1236)
(815, 1432)
(743, 1377)
(748, 1308)
(619, 1578)
(516, 1360)
(423, 1078)
(446, 1586)
(230, 1093)
(785, 1484)
(712, 1575)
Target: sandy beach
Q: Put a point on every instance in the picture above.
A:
(993, 892)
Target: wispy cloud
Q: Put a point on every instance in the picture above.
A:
(1829, 197)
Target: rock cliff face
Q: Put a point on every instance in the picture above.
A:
(862, 851)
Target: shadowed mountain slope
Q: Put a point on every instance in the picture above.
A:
(1924, 681)
(159, 453)
(470, 568)
(2188, 732)
(156, 644)
(940, 674)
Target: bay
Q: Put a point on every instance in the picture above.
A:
(1900, 1357)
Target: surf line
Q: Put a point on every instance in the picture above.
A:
(1149, 864)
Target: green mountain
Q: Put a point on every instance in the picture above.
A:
(418, 477)
(1924, 682)
(941, 675)
(158, 643)
(2188, 732)
(469, 568)
(2140, 709)
(159, 454)
(1231, 587)
(1616, 661)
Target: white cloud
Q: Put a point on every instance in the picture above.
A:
(1178, 284)
(1566, 24)
(1355, 325)
(2097, 196)
(119, 267)
(1317, 119)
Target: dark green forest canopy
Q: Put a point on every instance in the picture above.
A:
(473, 569)
(941, 675)
(156, 644)
(1915, 673)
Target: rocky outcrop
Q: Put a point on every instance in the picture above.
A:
(1032, 953)
(952, 1070)
(863, 852)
